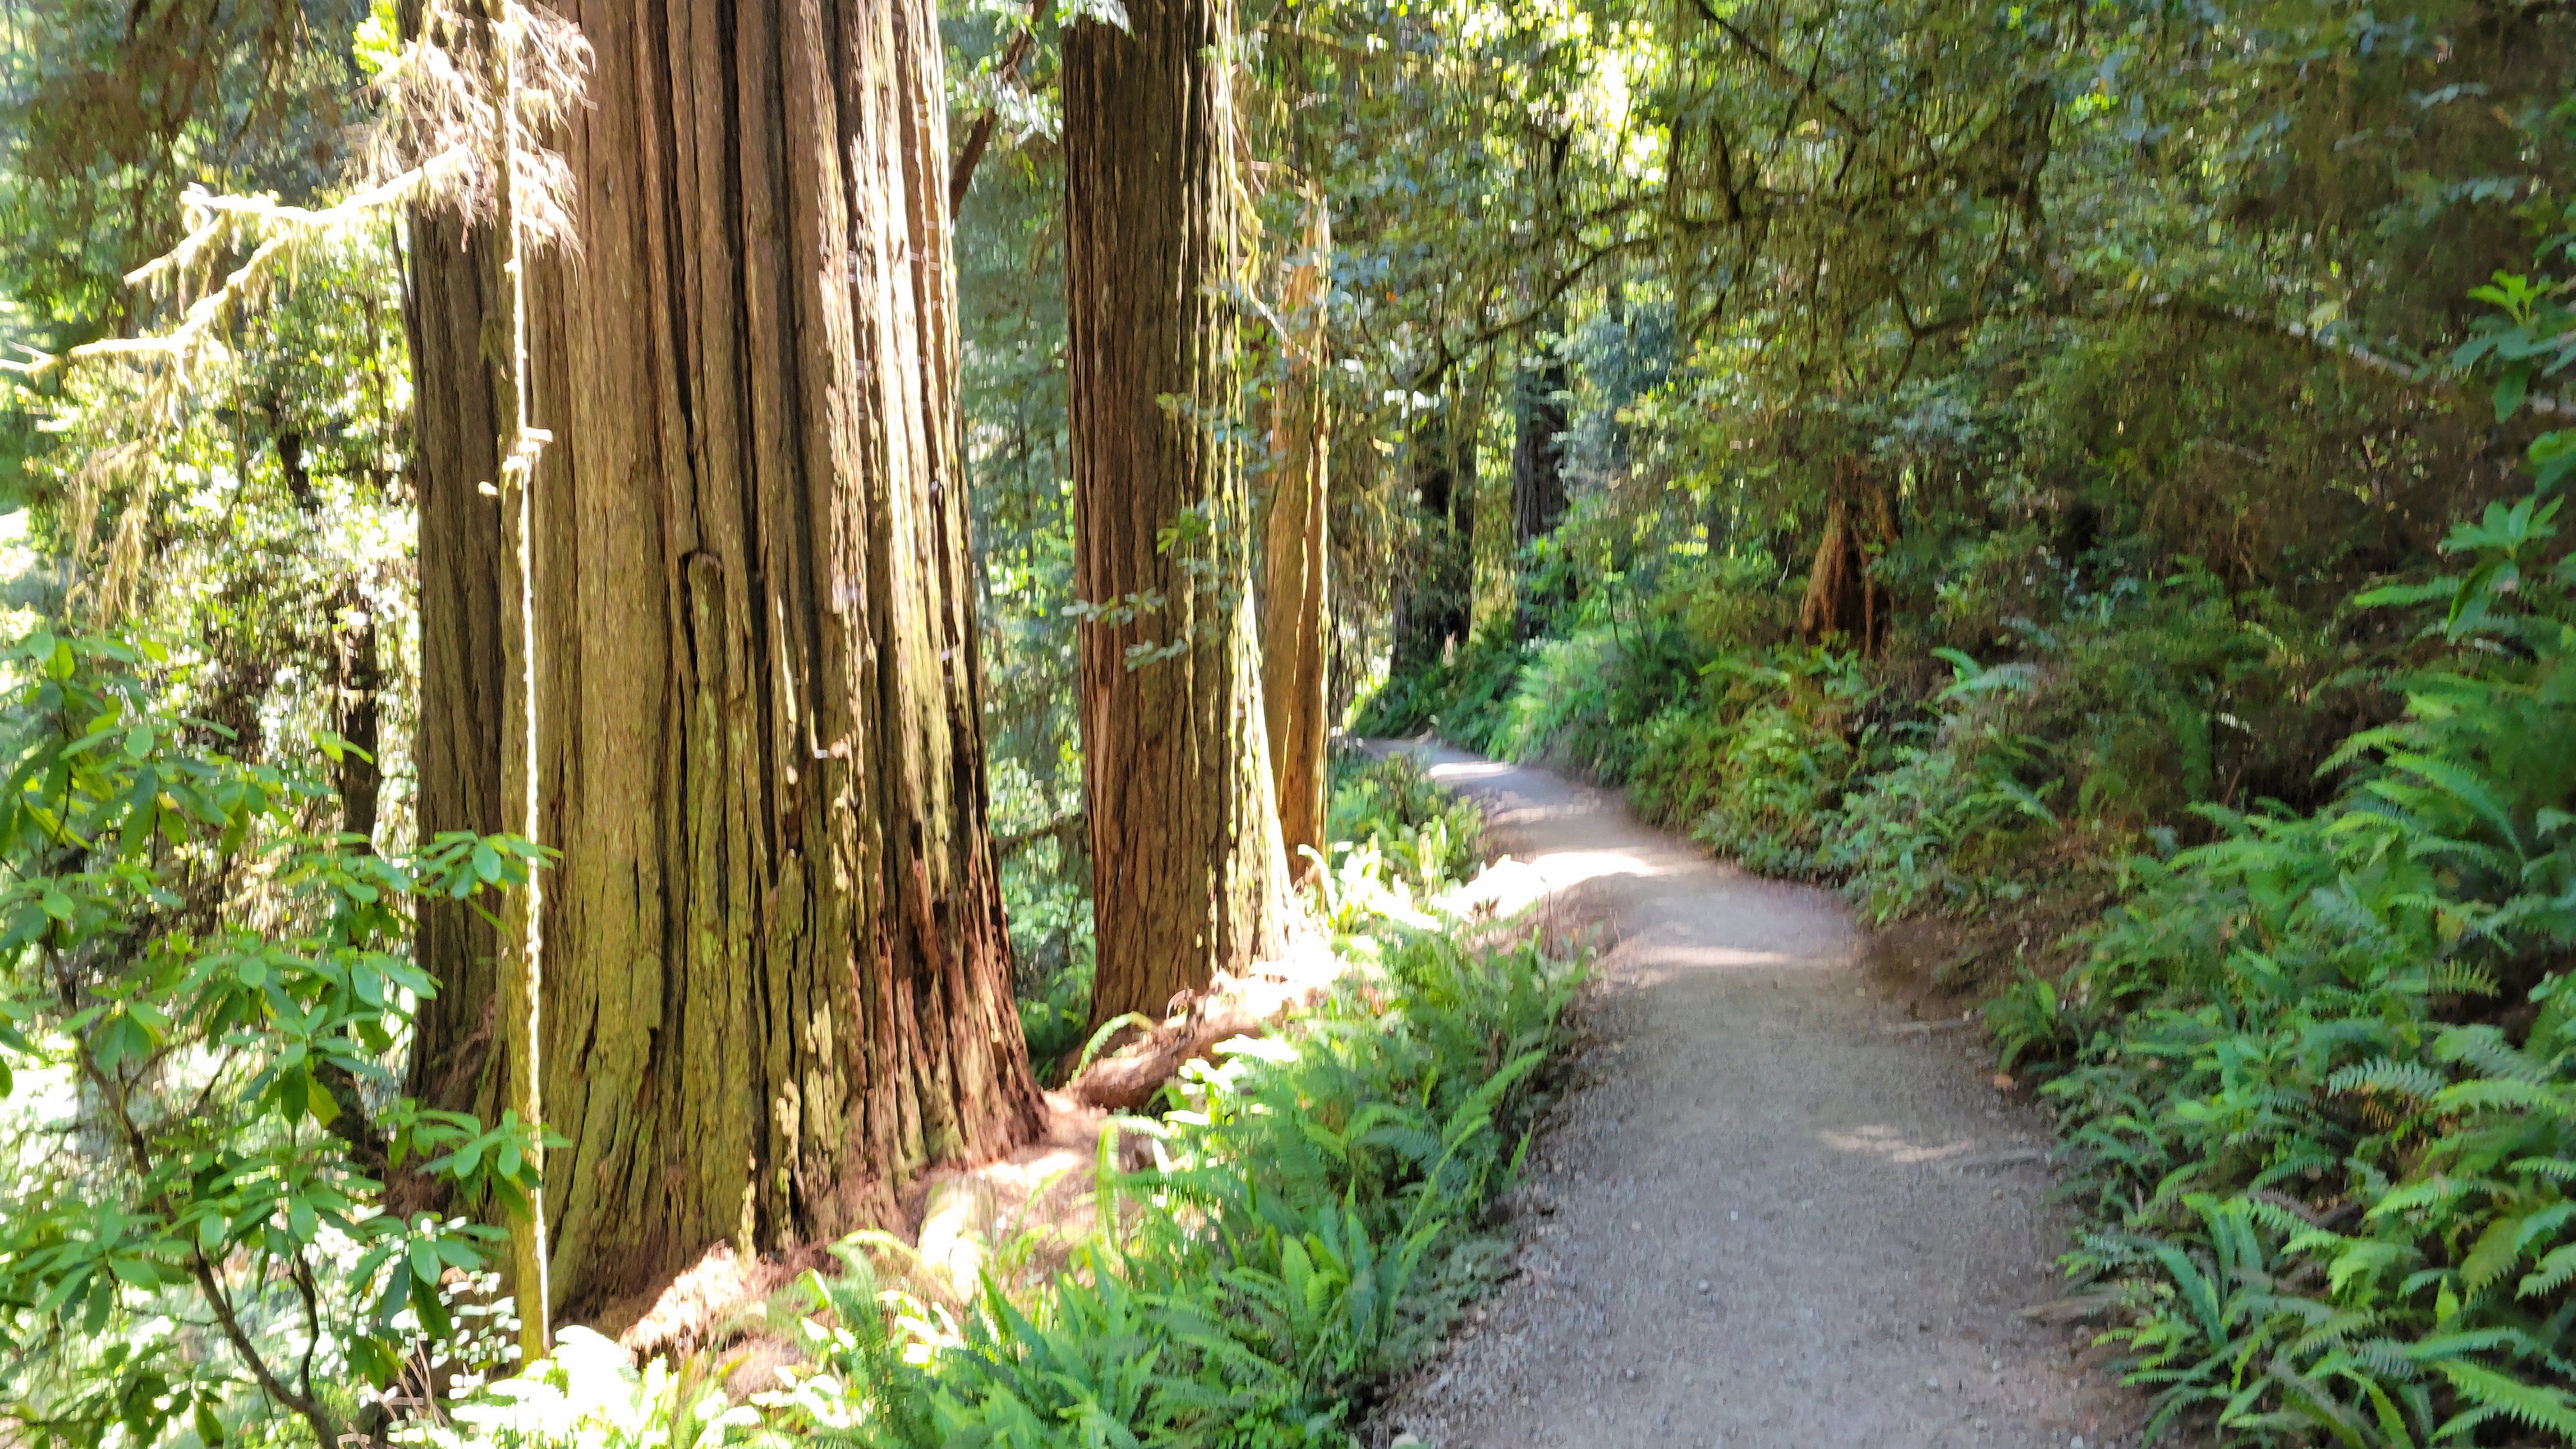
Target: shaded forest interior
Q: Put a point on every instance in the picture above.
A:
(641, 636)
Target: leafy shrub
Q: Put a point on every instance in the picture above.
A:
(1428, 835)
(1948, 805)
(1057, 1020)
(1456, 697)
(200, 981)
(587, 1394)
(1753, 763)
(2319, 1074)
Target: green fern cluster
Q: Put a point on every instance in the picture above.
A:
(2319, 1075)
(1430, 835)
(1312, 1223)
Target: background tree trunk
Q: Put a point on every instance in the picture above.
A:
(1188, 874)
(1538, 474)
(1433, 609)
(778, 983)
(1842, 599)
(1295, 616)
(1538, 452)
(357, 678)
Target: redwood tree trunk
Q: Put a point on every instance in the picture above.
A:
(1188, 874)
(1294, 614)
(1843, 601)
(454, 288)
(777, 983)
(1538, 476)
(1538, 452)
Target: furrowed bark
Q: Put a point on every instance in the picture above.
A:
(1188, 873)
(454, 291)
(778, 982)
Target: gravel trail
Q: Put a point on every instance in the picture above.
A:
(1772, 1211)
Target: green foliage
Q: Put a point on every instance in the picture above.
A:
(196, 981)
(2320, 1074)
(587, 1394)
(1311, 1223)
(1428, 835)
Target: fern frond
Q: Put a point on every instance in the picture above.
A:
(2412, 1079)
(2492, 1393)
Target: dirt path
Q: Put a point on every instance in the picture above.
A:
(1773, 1212)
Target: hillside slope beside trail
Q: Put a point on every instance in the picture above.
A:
(1771, 1211)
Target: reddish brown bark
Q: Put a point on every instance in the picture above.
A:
(1188, 874)
(1295, 613)
(777, 984)
(1844, 601)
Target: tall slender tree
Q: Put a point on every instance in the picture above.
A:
(778, 982)
(1189, 877)
(1295, 609)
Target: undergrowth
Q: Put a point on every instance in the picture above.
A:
(1314, 1219)
(1317, 1208)
(2318, 1075)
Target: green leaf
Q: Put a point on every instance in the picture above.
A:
(429, 1310)
(487, 863)
(2511, 389)
(319, 1102)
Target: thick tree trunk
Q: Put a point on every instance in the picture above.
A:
(1294, 615)
(1188, 874)
(1843, 601)
(777, 982)
(455, 289)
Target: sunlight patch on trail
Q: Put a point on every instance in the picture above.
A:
(1509, 884)
(1880, 1140)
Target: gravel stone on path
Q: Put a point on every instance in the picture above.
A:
(1762, 1217)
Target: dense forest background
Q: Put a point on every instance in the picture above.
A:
(2081, 478)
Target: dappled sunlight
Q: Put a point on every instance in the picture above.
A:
(1881, 1140)
(1721, 958)
(1509, 885)
(1465, 771)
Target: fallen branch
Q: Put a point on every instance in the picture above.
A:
(1066, 829)
(979, 134)
(1198, 1023)
(1919, 1028)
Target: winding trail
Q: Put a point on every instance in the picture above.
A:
(1771, 1212)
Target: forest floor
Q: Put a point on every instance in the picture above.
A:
(1770, 1210)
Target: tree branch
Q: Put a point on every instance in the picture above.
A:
(304, 1406)
(979, 135)
(1060, 828)
(2428, 376)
